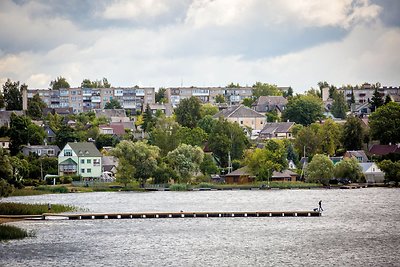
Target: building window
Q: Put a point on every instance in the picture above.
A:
(89, 170)
(67, 152)
(82, 170)
(89, 161)
(82, 161)
(96, 162)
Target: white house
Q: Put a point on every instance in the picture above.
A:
(372, 172)
(80, 158)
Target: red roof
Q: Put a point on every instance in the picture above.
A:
(118, 129)
(384, 149)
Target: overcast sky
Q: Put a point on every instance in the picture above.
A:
(164, 43)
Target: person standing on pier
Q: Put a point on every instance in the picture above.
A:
(320, 206)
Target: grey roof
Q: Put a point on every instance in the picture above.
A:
(357, 154)
(240, 172)
(277, 127)
(238, 112)
(85, 149)
(109, 160)
(284, 174)
(108, 113)
(42, 147)
(267, 103)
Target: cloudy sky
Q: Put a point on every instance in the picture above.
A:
(165, 43)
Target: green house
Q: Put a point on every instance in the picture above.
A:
(80, 158)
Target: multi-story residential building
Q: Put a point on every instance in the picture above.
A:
(85, 99)
(365, 92)
(233, 96)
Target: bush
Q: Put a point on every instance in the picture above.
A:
(5, 188)
(66, 180)
(179, 187)
(10, 208)
(8, 232)
(53, 189)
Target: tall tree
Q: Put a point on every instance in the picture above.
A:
(208, 165)
(307, 141)
(188, 112)
(385, 123)
(376, 100)
(208, 109)
(2, 103)
(339, 105)
(19, 134)
(225, 138)
(388, 99)
(13, 95)
(148, 119)
(64, 135)
(220, 99)
(330, 137)
(113, 104)
(86, 83)
(186, 160)
(207, 123)
(352, 135)
(391, 169)
(194, 137)
(58, 83)
(265, 89)
(289, 93)
(161, 96)
(165, 135)
(142, 156)
(319, 170)
(35, 107)
(303, 109)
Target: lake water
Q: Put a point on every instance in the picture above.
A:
(359, 227)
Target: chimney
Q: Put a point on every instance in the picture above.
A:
(24, 90)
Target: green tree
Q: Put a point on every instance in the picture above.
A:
(291, 154)
(303, 109)
(388, 99)
(385, 123)
(165, 135)
(265, 89)
(319, 170)
(164, 173)
(208, 166)
(59, 83)
(86, 83)
(352, 135)
(148, 119)
(272, 116)
(2, 103)
(103, 140)
(330, 137)
(12, 93)
(339, 105)
(35, 107)
(125, 172)
(6, 170)
(20, 169)
(208, 109)
(220, 99)
(56, 121)
(113, 104)
(19, 134)
(186, 160)
(289, 92)
(225, 138)
(376, 100)
(188, 112)
(5, 188)
(194, 137)
(64, 135)
(349, 168)
(248, 101)
(141, 156)
(391, 170)
(207, 123)
(161, 96)
(307, 140)
(263, 162)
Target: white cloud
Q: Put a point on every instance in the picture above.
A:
(135, 10)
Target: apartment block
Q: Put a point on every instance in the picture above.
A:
(86, 99)
(366, 91)
(232, 96)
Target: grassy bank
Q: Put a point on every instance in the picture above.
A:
(9, 208)
(260, 185)
(8, 232)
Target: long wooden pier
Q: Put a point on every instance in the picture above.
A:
(202, 214)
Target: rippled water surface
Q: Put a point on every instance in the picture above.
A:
(359, 227)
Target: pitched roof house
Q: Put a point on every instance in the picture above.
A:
(112, 129)
(279, 130)
(372, 172)
(284, 176)
(80, 158)
(381, 150)
(357, 154)
(270, 103)
(41, 150)
(113, 115)
(239, 176)
(244, 116)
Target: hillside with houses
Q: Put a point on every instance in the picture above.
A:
(189, 135)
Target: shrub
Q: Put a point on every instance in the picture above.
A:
(10, 208)
(179, 187)
(8, 232)
(53, 189)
